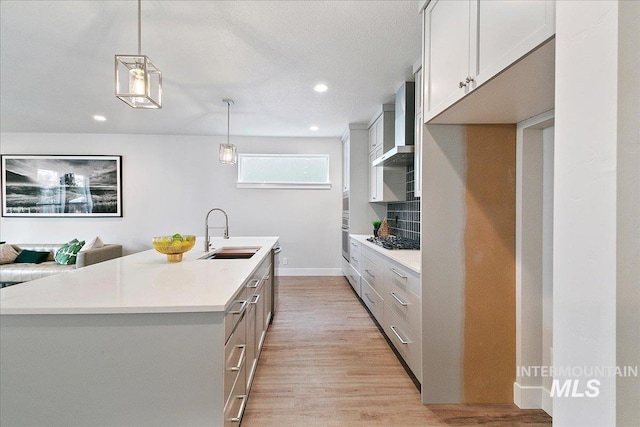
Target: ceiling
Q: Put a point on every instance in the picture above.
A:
(57, 64)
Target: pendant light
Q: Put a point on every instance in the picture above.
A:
(228, 153)
(138, 80)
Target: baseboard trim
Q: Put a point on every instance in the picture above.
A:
(309, 272)
(527, 397)
(547, 401)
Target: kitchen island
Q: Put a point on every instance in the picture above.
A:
(136, 340)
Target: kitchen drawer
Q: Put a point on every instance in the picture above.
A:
(235, 405)
(354, 279)
(407, 341)
(400, 278)
(406, 306)
(251, 287)
(355, 254)
(235, 355)
(234, 314)
(372, 300)
(373, 269)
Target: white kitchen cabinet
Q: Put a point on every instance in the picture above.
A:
(373, 301)
(357, 170)
(386, 184)
(382, 129)
(466, 43)
(417, 160)
(355, 265)
(375, 177)
(346, 159)
(392, 293)
(403, 313)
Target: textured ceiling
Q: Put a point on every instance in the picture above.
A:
(57, 64)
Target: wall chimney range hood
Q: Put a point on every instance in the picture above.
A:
(403, 151)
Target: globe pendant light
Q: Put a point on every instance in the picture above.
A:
(228, 153)
(138, 80)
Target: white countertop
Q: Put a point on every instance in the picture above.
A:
(409, 258)
(141, 283)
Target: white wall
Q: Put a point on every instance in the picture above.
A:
(584, 265)
(628, 210)
(443, 270)
(169, 184)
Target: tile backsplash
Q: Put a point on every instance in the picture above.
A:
(404, 217)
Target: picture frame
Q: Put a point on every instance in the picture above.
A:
(61, 186)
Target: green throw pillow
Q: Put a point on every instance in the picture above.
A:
(31, 257)
(68, 253)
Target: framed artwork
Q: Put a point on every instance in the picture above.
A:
(61, 186)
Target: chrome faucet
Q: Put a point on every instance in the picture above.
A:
(207, 240)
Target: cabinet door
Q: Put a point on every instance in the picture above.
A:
(373, 178)
(506, 31)
(446, 53)
(376, 177)
(372, 137)
(380, 131)
(268, 295)
(260, 323)
(252, 353)
(345, 164)
(417, 160)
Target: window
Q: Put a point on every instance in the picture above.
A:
(283, 171)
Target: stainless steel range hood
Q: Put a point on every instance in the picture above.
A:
(402, 153)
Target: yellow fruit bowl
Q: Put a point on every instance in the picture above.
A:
(174, 246)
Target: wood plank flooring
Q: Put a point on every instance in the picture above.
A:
(324, 363)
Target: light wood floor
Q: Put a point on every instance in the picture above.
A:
(325, 364)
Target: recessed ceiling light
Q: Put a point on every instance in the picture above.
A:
(314, 128)
(321, 87)
(99, 118)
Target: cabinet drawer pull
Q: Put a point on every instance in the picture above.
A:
(243, 306)
(402, 340)
(241, 359)
(398, 273)
(238, 416)
(254, 299)
(369, 273)
(369, 298)
(461, 84)
(255, 282)
(354, 244)
(469, 79)
(354, 258)
(402, 303)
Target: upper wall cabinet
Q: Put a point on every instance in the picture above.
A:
(466, 43)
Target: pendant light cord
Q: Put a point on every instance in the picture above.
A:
(139, 27)
(228, 102)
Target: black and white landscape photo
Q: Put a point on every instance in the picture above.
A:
(61, 186)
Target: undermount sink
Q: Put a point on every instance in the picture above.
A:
(233, 252)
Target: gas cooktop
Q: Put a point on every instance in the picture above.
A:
(393, 242)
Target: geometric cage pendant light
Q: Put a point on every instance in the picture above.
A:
(138, 80)
(228, 153)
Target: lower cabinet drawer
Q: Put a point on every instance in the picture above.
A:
(234, 314)
(235, 358)
(406, 306)
(372, 300)
(407, 341)
(371, 269)
(234, 408)
(354, 279)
